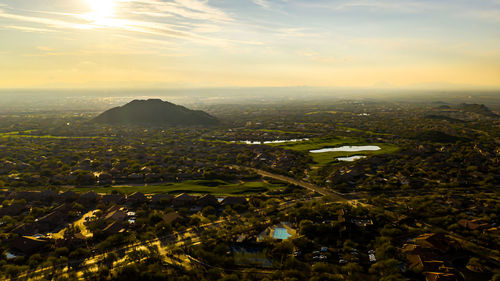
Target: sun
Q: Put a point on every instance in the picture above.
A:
(101, 9)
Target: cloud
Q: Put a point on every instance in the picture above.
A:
(45, 21)
(189, 9)
(262, 3)
(188, 19)
(28, 28)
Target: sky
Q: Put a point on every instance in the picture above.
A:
(249, 43)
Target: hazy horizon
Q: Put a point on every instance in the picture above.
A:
(19, 101)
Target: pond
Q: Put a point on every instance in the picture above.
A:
(347, 149)
(281, 233)
(351, 158)
(270, 142)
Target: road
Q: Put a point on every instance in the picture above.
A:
(334, 196)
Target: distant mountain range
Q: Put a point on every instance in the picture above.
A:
(157, 113)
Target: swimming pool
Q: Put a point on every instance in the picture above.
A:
(281, 233)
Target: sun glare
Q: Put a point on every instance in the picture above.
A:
(101, 9)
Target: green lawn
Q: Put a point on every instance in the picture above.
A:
(323, 112)
(215, 187)
(27, 134)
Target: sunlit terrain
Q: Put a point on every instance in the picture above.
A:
(269, 140)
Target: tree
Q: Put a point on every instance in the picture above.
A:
(352, 269)
(386, 268)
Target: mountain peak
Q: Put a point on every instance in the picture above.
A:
(157, 113)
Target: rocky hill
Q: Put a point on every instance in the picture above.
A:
(157, 113)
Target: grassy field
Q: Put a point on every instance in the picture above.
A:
(26, 134)
(330, 157)
(323, 159)
(323, 112)
(215, 187)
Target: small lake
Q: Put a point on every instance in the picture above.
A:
(270, 142)
(347, 149)
(351, 158)
(281, 233)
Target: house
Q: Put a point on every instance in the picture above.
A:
(183, 200)
(207, 200)
(135, 177)
(152, 177)
(416, 255)
(49, 222)
(231, 201)
(171, 217)
(136, 198)
(105, 179)
(67, 196)
(88, 198)
(29, 196)
(432, 265)
(161, 199)
(437, 241)
(112, 209)
(414, 261)
(113, 199)
(113, 228)
(28, 245)
(24, 229)
(48, 195)
(55, 219)
(117, 215)
(75, 240)
(473, 224)
(12, 210)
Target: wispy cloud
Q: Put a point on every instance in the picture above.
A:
(45, 21)
(400, 6)
(28, 28)
(192, 19)
(263, 3)
(189, 9)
